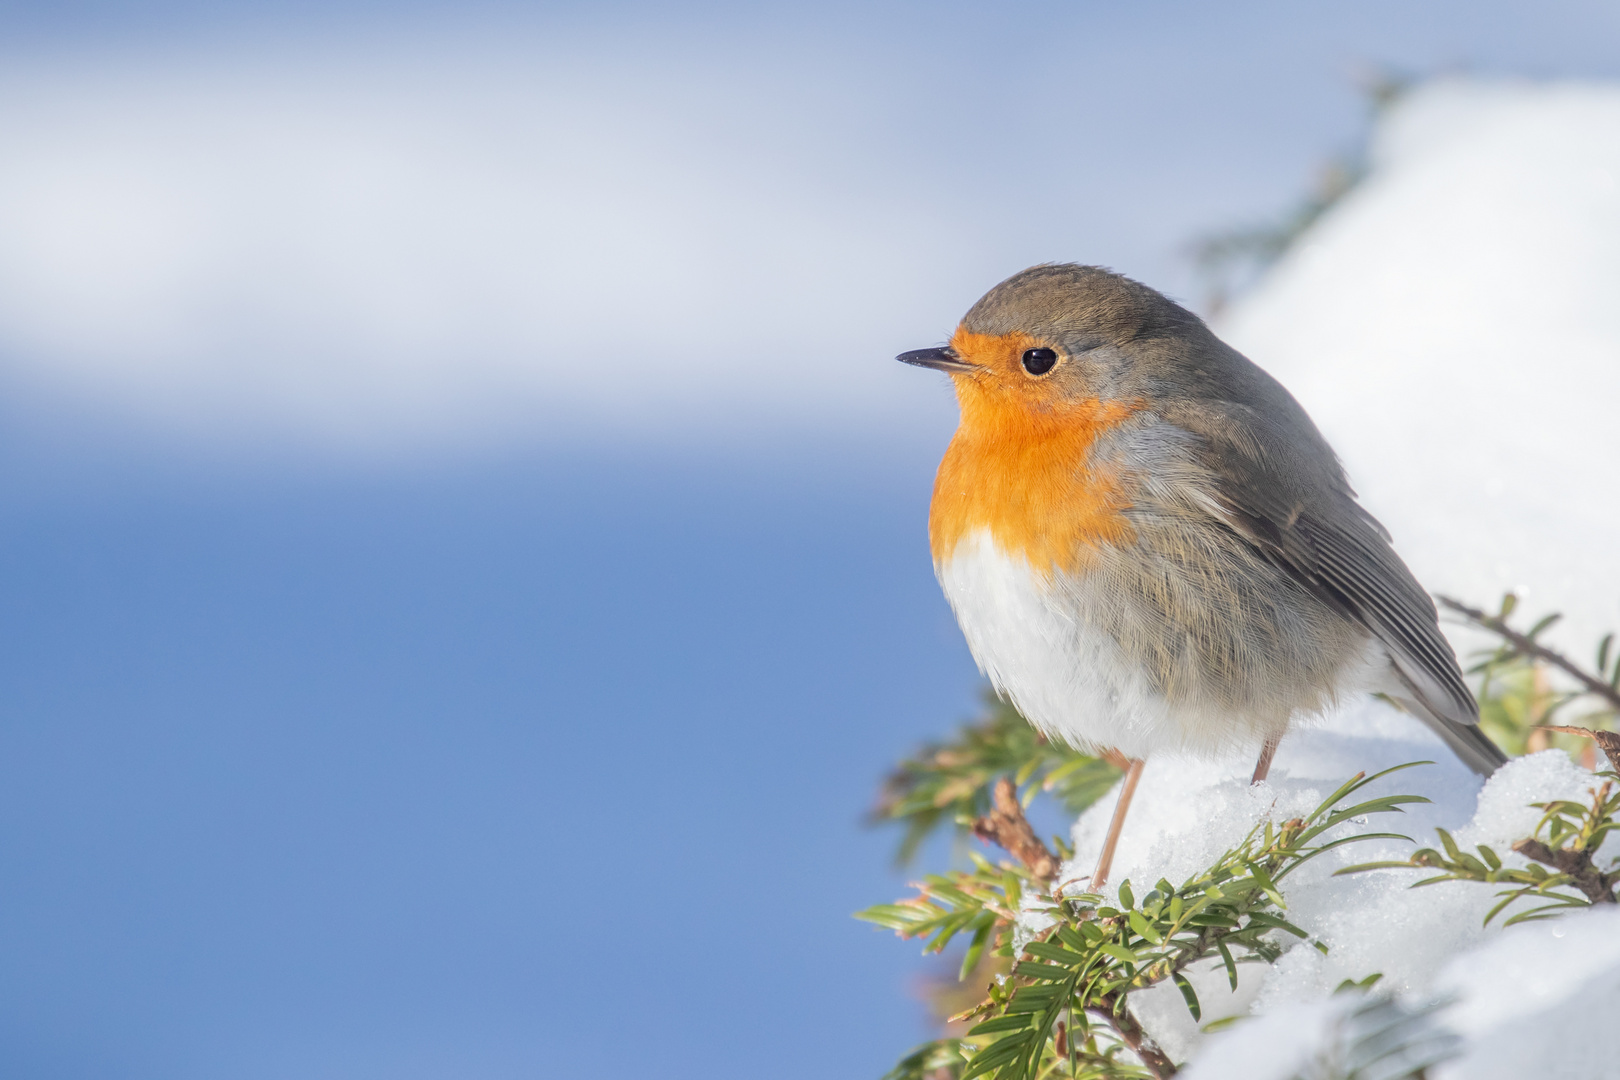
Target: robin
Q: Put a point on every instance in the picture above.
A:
(1148, 544)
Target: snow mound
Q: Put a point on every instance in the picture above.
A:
(1423, 942)
(1452, 327)
(1527, 1004)
(1538, 986)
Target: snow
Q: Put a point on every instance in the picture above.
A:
(1314, 1041)
(1536, 1001)
(1452, 326)
(1276, 1047)
(1422, 941)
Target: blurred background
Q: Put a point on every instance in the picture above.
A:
(462, 532)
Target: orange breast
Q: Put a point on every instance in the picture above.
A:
(1021, 468)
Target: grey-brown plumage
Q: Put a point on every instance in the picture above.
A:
(1257, 582)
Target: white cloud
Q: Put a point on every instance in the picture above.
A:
(431, 245)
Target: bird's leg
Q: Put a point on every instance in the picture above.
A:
(1105, 862)
(1263, 766)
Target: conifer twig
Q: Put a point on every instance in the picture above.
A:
(1527, 646)
(1097, 952)
(1576, 862)
(1007, 826)
(1114, 1011)
(1607, 740)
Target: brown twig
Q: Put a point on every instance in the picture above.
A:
(1112, 1009)
(1007, 826)
(1607, 740)
(1599, 888)
(1526, 646)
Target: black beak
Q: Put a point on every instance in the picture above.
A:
(944, 360)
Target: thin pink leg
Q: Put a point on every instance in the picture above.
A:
(1267, 752)
(1105, 862)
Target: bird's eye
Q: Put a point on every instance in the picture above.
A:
(1039, 361)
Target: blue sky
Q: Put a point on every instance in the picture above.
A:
(499, 772)
(410, 676)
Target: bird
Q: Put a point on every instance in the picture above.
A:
(1150, 547)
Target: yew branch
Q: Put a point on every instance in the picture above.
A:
(1007, 826)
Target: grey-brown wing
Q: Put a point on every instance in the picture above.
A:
(1355, 563)
(1355, 569)
(1312, 527)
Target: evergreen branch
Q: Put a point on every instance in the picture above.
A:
(983, 901)
(936, 1060)
(1112, 1009)
(1575, 865)
(1094, 955)
(1607, 741)
(1566, 838)
(1007, 826)
(952, 783)
(1526, 645)
(1382, 1036)
(1059, 1007)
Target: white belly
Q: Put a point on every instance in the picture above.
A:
(1041, 648)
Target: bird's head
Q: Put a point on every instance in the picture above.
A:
(1056, 336)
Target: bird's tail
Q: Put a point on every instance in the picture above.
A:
(1467, 741)
(1446, 708)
